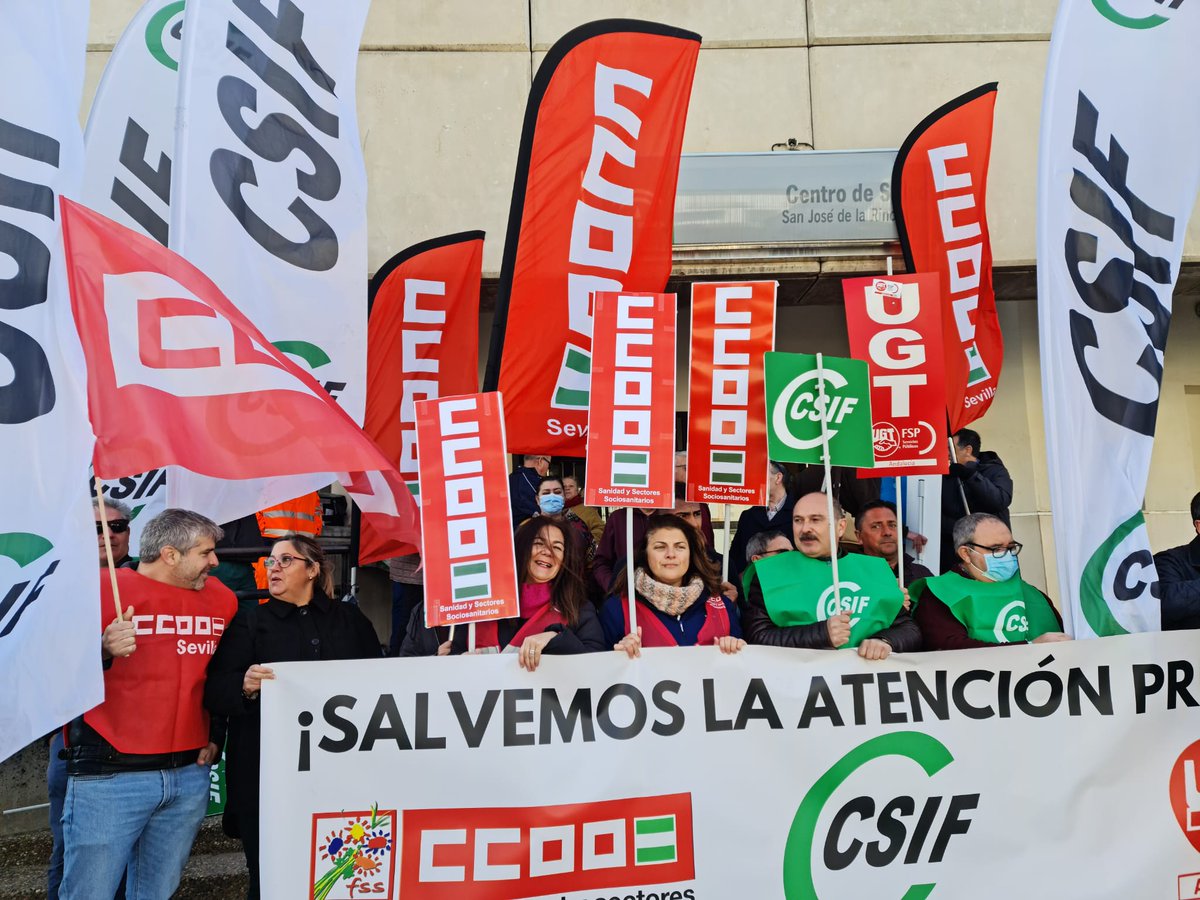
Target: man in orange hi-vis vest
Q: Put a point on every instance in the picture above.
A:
(301, 515)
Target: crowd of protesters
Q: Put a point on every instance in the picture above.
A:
(129, 779)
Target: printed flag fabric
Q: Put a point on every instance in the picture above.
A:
(467, 537)
(1119, 166)
(939, 193)
(631, 423)
(269, 198)
(49, 627)
(128, 144)
(422, 343)
(172, 363)
(592, 210)
(894, 323)
(733, 327)
(795, 386)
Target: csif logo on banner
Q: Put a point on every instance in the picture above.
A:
(32, 165)
(513, 852)
(614, 251)
(874, 831)
(277, 137)
(1138, 15)
(24, 549)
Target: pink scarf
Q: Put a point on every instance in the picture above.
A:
(534, 597)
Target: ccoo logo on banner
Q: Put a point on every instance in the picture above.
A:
(801, 392)
(631, 419)
(466, 536)
(894, 324)
(733, 326)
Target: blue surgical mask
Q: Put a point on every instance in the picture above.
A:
(1001, 568)
(550, 504)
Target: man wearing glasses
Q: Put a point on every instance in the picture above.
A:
(118, 516)
(983, 602)
(523, 484)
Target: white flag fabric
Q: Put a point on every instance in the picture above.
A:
(269, 198)
(128, 144)
(1118, 173)
(49, 567)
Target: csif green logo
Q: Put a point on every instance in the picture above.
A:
(1140, 14)
(901, 825)
(23, 547)
(163, 34)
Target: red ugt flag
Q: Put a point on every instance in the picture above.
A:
(178, 376)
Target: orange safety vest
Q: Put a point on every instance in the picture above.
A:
(301, 515)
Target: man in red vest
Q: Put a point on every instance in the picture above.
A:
(138, 764)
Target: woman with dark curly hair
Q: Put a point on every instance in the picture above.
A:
(678, 590)
(555, 618)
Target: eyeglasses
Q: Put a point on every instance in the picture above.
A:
(773, 552)
(284, 561)
(116, 526)
(1014, 548)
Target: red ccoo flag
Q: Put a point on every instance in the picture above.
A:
(939, 186)
(178, 376)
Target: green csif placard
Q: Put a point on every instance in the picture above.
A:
(794, 409)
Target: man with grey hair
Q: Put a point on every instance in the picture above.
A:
(776, 515)
(984, 602)
(119, 516)
(150, 739)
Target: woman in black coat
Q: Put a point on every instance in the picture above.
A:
(300, 621)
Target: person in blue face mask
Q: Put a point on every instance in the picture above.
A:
(983, 602)
(551, 502)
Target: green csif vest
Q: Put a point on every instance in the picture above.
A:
(798, 590)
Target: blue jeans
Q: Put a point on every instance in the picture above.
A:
(144, 820)
(56, 790)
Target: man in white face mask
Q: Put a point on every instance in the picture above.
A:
(984, 603)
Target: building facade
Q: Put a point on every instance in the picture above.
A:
(442, 89)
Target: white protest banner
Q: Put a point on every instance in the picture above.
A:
(1119, 166)
(767, 774)
(269, 198)
(128, 143)
(49, 627)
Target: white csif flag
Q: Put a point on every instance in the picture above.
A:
(269, 199)
(49, 563)
(128, 144)
(1119, 166)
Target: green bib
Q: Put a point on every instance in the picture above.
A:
(999, 612)
(798, 590)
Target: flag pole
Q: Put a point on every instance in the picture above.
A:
(470, 637)
(629, 588)
(899, 499)
(900, 525)
(725, 556)
(112, 570)
(833, 548)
